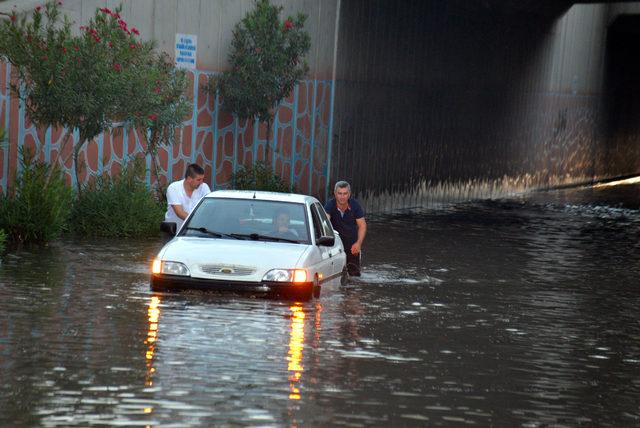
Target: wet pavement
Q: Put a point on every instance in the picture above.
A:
(519, 312)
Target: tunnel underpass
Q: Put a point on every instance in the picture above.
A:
(444, 101)
(623, 77)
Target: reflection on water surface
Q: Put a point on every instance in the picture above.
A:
(514, 312)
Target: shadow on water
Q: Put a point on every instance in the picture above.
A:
(509, 312)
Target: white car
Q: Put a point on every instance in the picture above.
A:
(260, 242)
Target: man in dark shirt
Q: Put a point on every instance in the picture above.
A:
(347, 217)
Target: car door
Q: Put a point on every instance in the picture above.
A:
(335, 252)
(326, 253)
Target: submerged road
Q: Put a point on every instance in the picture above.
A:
(513, 312)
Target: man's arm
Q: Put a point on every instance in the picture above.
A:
(362, 231)
(180, 212)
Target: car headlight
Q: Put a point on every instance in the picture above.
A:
(170, 268)
(286, 275)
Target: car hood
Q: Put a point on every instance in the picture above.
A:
(231, 259)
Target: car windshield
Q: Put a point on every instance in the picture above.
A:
(249, 219)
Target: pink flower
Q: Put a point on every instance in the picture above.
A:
(105, 10)
(153, 116)
(132, 46)
(64, 50)
(288, 25)
(117, 67)
(135, 31)
(38, 8)
(157, 90)
(13, 17)
(110, 44)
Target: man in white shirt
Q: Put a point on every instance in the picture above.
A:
(184, 195)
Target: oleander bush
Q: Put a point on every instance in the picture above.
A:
(36, 209)
(267, 57)
(88, 79)
(259, 176)
(118, 206)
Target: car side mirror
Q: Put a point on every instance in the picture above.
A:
(169, 227)
(326, 241)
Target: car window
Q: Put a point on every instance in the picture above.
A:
(284, 221)
(323, 225)
(317, 225)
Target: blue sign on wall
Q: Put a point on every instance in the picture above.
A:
(186, 50)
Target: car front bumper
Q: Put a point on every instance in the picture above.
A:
(276, 289)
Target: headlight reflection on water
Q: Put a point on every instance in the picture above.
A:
(153, 313)
(296, 345)
(294, 356)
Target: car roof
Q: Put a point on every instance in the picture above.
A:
(262, 195)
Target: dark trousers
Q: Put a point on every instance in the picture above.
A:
(353, 262)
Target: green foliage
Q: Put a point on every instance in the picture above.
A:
(258, 177)
(165, 106)
(161, 114)
(3, 240)
(267, 59)
(92, 79)
(75, 81)
(38, 208)
(118, 206)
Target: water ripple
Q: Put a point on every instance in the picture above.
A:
(517, 312)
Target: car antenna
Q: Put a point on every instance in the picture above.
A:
(254, 194)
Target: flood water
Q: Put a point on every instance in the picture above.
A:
(520, 312)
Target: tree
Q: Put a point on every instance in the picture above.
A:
(267, 60)
(161, 114)
(84, 81)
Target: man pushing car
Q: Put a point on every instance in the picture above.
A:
(184, 195)
(347, 217)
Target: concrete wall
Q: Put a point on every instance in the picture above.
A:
(213, 22)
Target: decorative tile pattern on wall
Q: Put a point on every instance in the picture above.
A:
(298, 149)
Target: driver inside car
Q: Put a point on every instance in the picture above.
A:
(281, 225)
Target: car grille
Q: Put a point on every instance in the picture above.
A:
(227, 270)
